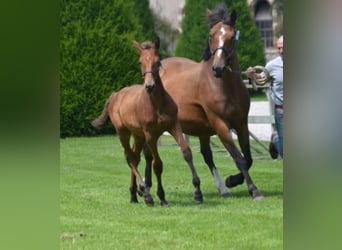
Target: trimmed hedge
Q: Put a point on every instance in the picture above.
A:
(97, 57)
(193, 40)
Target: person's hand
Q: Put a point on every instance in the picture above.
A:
(250, 72)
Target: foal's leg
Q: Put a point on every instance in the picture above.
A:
(241, 163)
(137, 148)
(243, 138)
(148, 166)
(176, 132)
(208, 158)
(157, 168)
(133, 159)
(133, 188)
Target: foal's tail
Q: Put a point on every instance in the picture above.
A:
(102, 119)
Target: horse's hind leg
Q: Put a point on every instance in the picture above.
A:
(158, 169)
(208, 158)
(187, 155)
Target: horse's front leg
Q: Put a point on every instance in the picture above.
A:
(177, 133)
(241, 163)
(133, 159)
(243, 138)
(133, 188)
(157, 167)
(143, 189)
(148, 166)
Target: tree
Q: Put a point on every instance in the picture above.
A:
(97, 56)
(193, 40)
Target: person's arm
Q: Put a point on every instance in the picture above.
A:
(251, 73)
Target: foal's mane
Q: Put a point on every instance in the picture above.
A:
(219, 14)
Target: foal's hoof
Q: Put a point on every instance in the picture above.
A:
(134, 200)
(141, 189)
(148, 200)
(233, 181)
(164, 203)
(198, 197)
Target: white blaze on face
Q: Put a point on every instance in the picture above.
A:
(221, 41)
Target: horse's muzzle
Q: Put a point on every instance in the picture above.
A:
(218, 71)
(150, 87)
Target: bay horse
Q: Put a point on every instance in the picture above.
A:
(145, 112)
(212, 99)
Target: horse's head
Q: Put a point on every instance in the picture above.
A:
(149, 61)
(222, 38)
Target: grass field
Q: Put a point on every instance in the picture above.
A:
(96, 212)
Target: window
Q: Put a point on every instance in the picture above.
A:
(263, 20)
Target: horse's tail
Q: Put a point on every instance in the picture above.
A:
(102, 119)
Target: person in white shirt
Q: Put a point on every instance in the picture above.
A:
(275, 68)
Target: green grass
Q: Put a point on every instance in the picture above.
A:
(94, 201)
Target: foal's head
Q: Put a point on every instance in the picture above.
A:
(221, 45)
(149, 61)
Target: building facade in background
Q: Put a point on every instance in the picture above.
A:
(268, 17)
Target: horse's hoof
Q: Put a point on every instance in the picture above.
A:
(198, 198)
(198, 202)
(257, 196)
(224, 191)
(134, 201)
(233, 181)
(164, 203)
(254, 192)
(149, 203)
(225, 195)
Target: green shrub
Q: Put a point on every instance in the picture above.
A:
(97, 57)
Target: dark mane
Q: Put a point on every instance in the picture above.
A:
(219, 14)
(206, 54)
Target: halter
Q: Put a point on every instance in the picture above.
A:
(150, 71)
(147, 72)
(227, 53)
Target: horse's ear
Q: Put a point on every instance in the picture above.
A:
(233, 17)
(137, 46)
(157, 43)
(209, 13)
